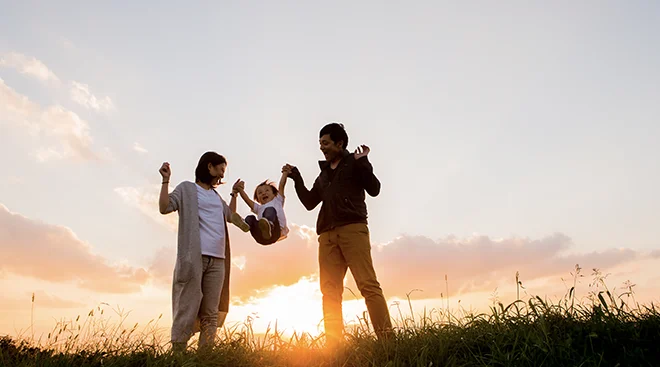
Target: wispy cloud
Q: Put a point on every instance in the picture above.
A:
(66, 43)
(14, 180)
(69, 258)
(145, 199)
(139, 148)
(55, 123)
(18, 109)
(81, 94)
(71, 131)
(48, 154)
(41, 299)
(29, 66)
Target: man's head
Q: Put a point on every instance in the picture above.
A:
(332, 141)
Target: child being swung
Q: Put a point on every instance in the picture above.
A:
(269, 226)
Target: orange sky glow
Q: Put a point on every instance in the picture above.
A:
(277, 286)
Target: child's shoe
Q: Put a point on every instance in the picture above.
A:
(239, 222)
(265, 227)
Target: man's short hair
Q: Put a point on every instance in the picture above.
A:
(337, 133)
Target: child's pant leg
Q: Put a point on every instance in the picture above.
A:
(276, 231)
(251, 220)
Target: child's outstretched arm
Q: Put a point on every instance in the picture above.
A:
(245, 197)
(285, 174)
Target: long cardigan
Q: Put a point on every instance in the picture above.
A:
(187, 283)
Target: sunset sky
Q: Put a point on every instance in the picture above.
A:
(508, 136)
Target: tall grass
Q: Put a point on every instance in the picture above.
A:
(605, 328)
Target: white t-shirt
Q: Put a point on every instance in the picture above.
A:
(278, 204)
(211, 223)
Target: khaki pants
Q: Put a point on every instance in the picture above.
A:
(342, 248)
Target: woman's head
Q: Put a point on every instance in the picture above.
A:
(265, 192)
(211, 169)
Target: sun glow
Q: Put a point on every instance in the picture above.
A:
(295, 308)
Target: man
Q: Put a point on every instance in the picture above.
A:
(342, 229)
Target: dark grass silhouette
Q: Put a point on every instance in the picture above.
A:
(603, 329)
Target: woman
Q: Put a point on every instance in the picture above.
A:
(200, 289)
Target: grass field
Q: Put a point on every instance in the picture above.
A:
(603, 329)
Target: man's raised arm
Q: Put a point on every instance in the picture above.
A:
(309, 198)
(370, 182)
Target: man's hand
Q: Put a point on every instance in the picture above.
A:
(361, 151)
(290, 170)
(165, 171)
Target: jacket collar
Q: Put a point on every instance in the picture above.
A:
(325, 164)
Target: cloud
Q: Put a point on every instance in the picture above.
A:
(473, 264)
(139, 148)
(145, 199)
(14, 180)
(24, 243)
(256, 268)
(416, 262)
(81, 94)
(41, 300)
(54, 124)
(162, 266)
(48, 154)
(29, 66)
(18, 109)
(479, 263)
(281, 264)
(66, 43)
(71, 131)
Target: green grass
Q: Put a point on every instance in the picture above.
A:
(602, 330)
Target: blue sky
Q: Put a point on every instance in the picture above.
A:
(508, 120)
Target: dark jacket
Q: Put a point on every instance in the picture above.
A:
(341, 190)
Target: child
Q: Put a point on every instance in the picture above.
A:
(270, 224)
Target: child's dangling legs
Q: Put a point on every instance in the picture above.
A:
(270, 214)
(236, 219)
(259, 230)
